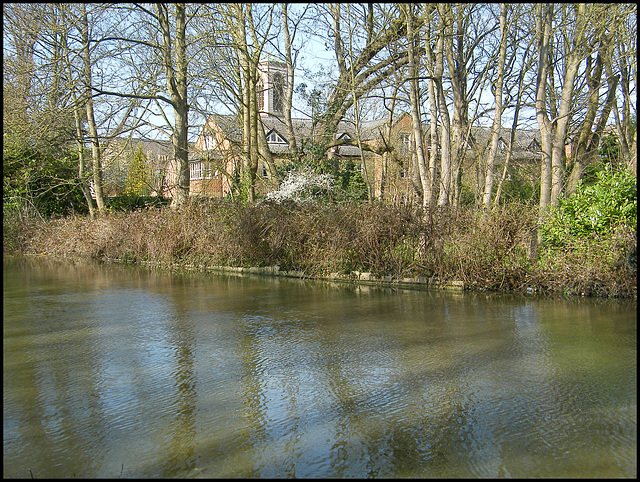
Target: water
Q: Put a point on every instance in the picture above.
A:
(116, 371)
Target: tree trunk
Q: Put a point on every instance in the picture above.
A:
(497, 120)
(566, 103)
(433, 106)
(253, 135)
(458, 75)
(91, 122)
(82, 176)
(445, 135)
(177, 87)
(416, 116)
(543, 30)
(288, 98)
(386, 154)
(523, 69)
(245, 181)
(589, 141)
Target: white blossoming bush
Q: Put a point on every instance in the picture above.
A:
(301, 186)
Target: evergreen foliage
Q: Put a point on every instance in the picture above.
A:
(42, 181)
(595, 210)
(138, 176)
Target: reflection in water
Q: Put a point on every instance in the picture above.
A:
(182, 411)
(114, 371)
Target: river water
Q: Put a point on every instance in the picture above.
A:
(116, 371)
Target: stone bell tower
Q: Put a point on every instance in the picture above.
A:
(271, 86)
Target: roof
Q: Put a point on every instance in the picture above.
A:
(526, 146)
(303, 129)
(526, 142)
(153, 149)
(269, 57)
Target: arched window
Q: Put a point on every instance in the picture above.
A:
(260, 94)
(278, 93)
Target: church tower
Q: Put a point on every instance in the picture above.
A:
(271, 86)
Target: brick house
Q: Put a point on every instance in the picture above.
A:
(215, 157)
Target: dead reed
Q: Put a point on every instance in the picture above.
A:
(486, 253)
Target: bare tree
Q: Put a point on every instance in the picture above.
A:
(543, 18)
(497, 120)
(78, 119)
(157, 41)
(433, 107)
(625, 38)
(588, 140)
(174, 56)
(43, 106)
(414, 95)
(443, 110)
(91, 121)
(289, 39)
(526, 60)
(254, 141)
(367, 67)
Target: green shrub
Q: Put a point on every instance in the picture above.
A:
(594, 210)
(519, 190)
(352, 183)
(48, 183)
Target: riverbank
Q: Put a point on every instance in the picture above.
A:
(363, 243)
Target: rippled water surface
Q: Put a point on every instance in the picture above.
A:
(113, 371)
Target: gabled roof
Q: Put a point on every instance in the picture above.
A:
(153, 149)
(281, 139)
(231, 125)
(526, 144)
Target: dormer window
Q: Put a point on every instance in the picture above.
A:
(275, 138)
(534, 146)
(345, 136)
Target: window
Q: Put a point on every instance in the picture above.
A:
(206, 170)
(199, 170)
(404, 173)
(265, 173)
(405, 139)
(275, 138)
(278, 93)
(209, 142)
(195, 170)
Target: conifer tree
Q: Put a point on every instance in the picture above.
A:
(138, 176)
